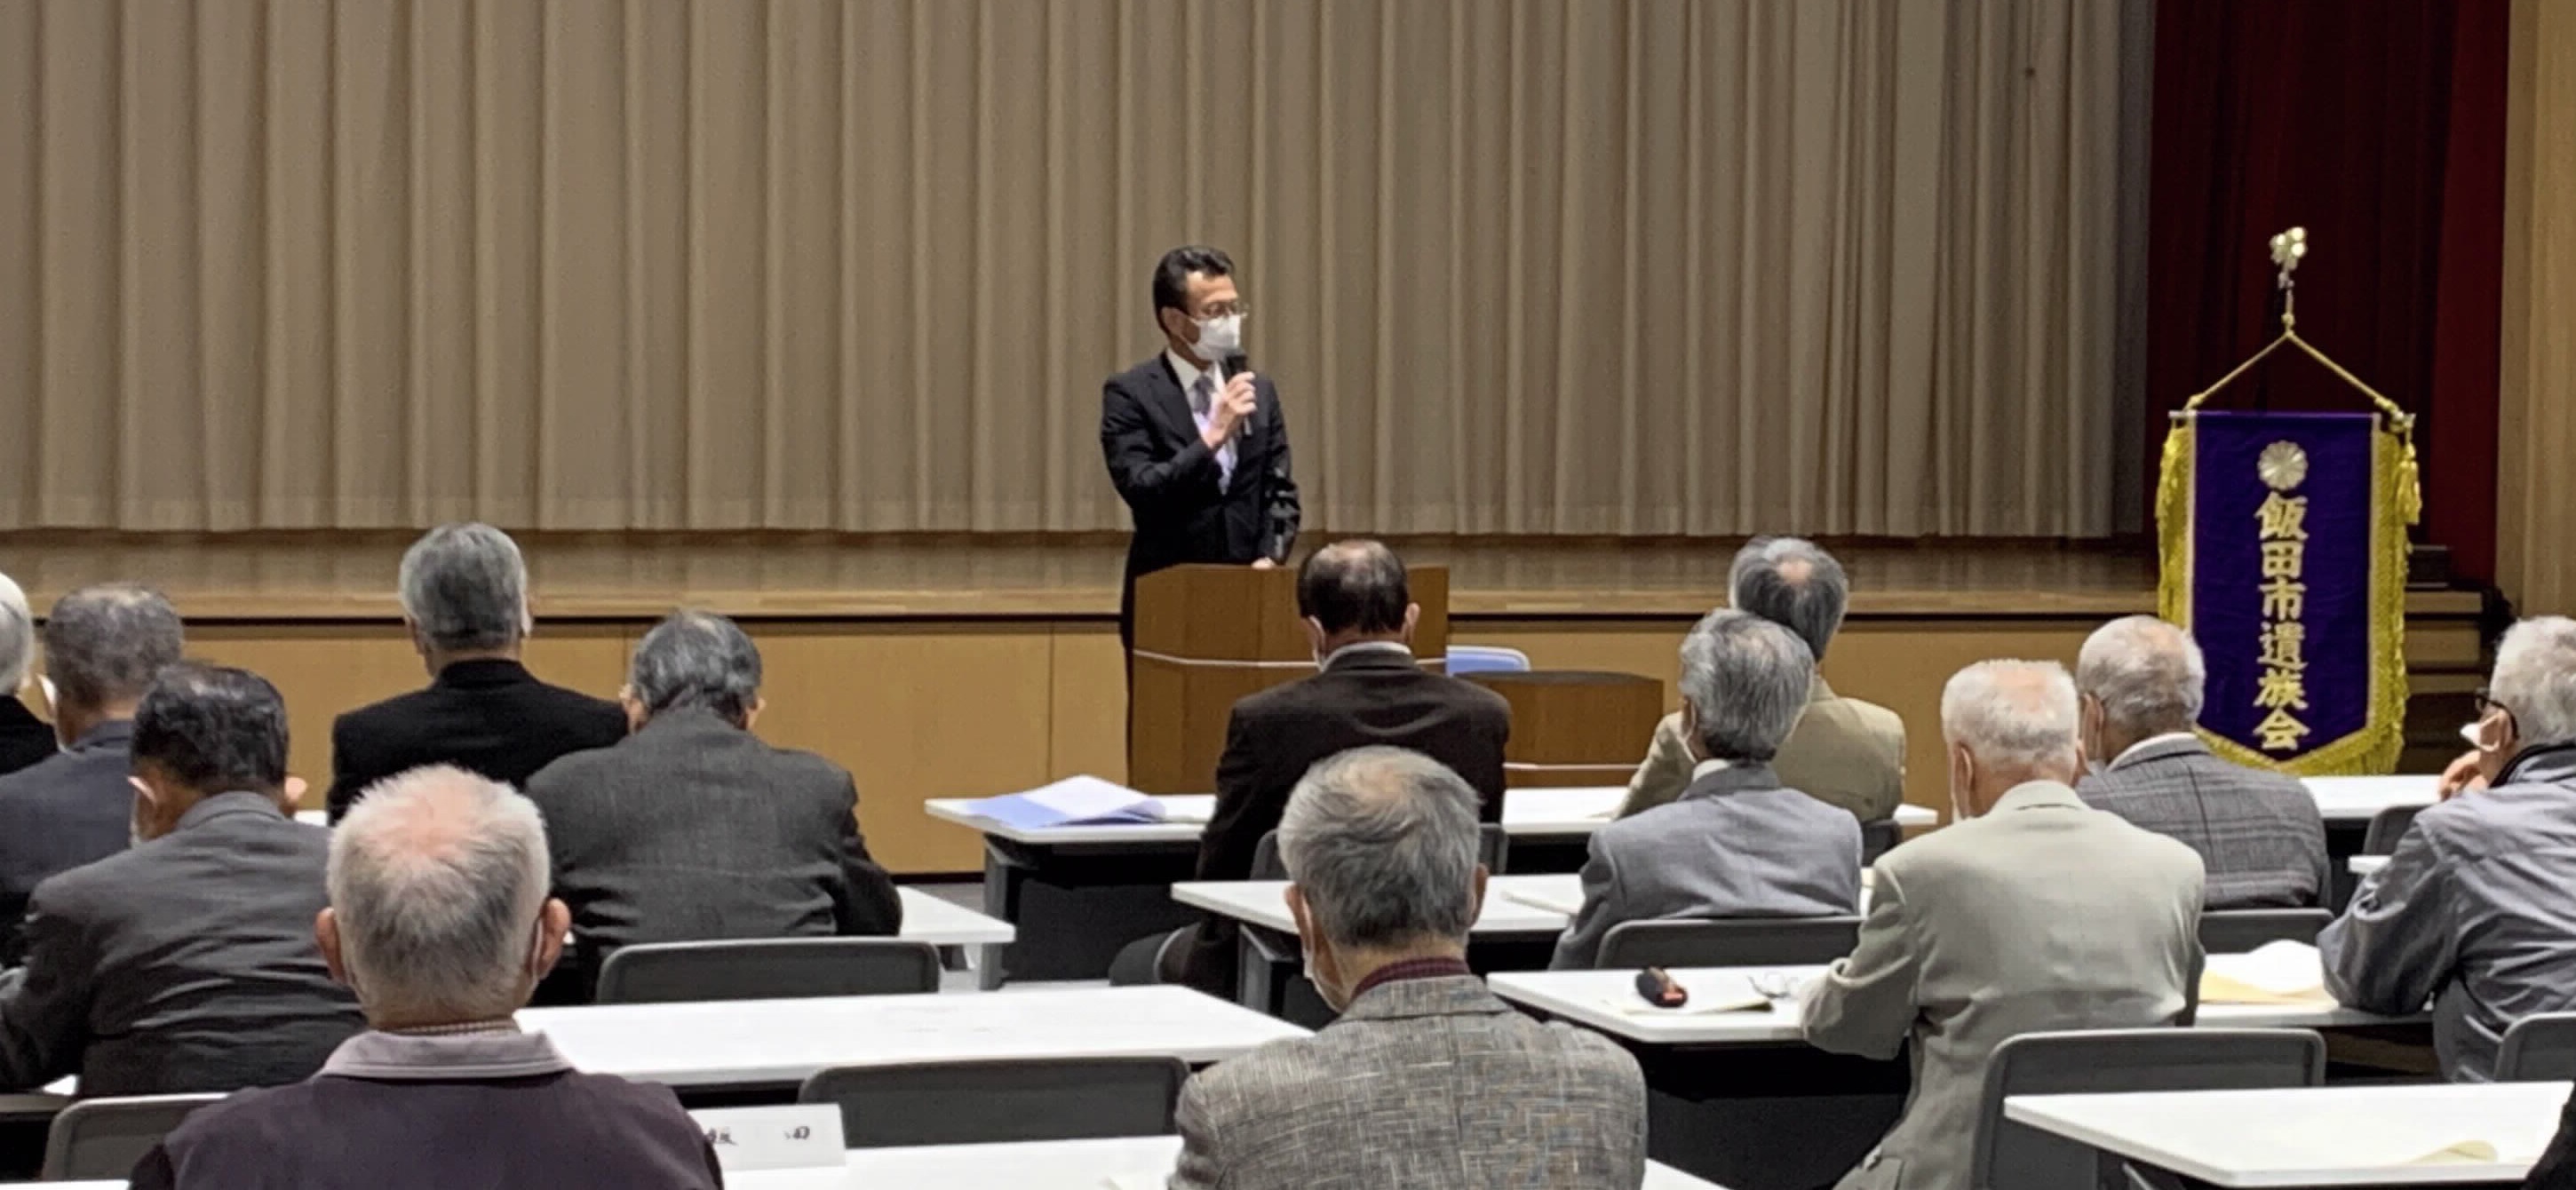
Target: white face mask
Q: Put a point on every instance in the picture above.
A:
(1219, 337)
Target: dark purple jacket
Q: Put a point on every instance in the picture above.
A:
(411, 1113)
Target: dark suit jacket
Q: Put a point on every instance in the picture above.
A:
(2258, 833)
(491, 717)
(185, 964)
(24, 738)
(1171, 481)
(693, 830)
(72, 809)
(1363, 696)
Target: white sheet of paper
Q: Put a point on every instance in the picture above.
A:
(803, 1136)
(1539, 898)
(1084, 796)
(2283, 968)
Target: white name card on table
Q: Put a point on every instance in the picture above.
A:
(805, 1136)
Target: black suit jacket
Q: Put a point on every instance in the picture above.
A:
(24, 738)
(1362, 697)
(693, 830)
(184, 964)
(74, 808)
(491, 717)
(2556, 1169)
(1172, 484)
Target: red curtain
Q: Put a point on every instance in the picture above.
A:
(2379, 126)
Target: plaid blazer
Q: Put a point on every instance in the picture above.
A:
(1428, 1084)
(2258, 833)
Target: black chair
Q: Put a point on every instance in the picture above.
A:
(767, 969)
(2386, 828)
(1729, 942)
(103, 1138)
(2538, 1049)
(2010, 1156)
(1493, 849)
(1877, 835)
(959, 1103)
(2236, 931)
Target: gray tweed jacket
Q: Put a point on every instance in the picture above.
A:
(1428, 1084)
(2257, 832)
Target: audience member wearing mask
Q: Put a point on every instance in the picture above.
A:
(2474, 912)
(1426, 1080)
(1369, 689)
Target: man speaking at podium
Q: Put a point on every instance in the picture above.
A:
(1194, 441)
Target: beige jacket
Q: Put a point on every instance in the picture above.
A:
(2041, 915)
(1844, 752)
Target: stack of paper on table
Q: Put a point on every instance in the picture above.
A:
(2274, 973)
(1075, 801)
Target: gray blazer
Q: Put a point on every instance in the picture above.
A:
(1428, 1084)
(2258, 832)
(1737, 844)
(2472, 913)
(693, 830)
(2041, 915)
(70, 809)
(184, 964)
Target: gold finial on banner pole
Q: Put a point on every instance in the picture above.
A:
(2287, 248)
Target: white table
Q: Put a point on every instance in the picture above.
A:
(1035, 1165)
(1586, 997)
(1571, 811)
(1264, 903)
(2352, 801)
(940, 922)
(2320, 1136)
(778, 1043)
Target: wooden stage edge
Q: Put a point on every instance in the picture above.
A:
(322, 576)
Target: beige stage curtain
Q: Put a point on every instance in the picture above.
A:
(2536, 495)
(1518, 266)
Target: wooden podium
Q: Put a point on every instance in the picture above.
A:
(1576, 727)
(1208, 635)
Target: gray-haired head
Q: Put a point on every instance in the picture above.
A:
(696, 661)
(105, 645)
(2535, 680)
(17, 637)
(1746, 680)
(465, 589)
(2146, 673)
(1792, 582)
(437, 881)
(1381, 842)
(2014, 716)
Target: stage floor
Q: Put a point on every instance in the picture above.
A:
(324, 576)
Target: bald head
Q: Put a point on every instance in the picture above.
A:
(2140, 677)
(2006, 723)
(1355, 590)
(1794, 583)
(438, 883)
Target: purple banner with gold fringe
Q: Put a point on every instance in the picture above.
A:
(2289, 572)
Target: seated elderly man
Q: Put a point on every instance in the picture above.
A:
(1426, 1081)
(2473, 912)
(185, 963)
(24, 738)
(2032, 912)
(692, 829)
(103, 647)
(1739, 843)
(439, 918)
(1844, 752)
(2257, 831)
(465, 600)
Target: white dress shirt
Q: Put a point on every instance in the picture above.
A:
(1189, 374)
